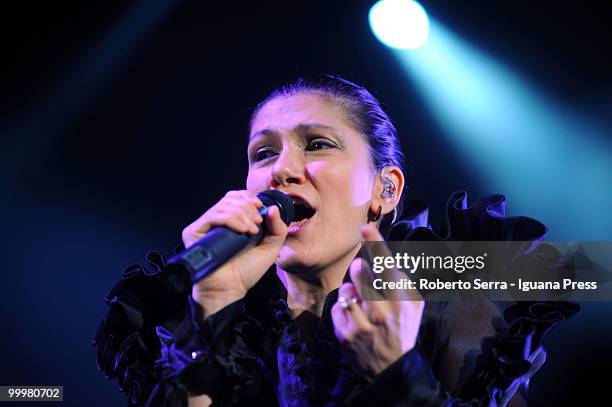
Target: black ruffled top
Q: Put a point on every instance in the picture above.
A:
(252, 353)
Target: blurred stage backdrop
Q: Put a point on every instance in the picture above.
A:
(122, 121)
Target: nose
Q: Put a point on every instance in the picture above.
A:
(289, 168)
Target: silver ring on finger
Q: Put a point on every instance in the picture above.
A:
(344, 303)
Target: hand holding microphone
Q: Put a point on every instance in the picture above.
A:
(230, 247)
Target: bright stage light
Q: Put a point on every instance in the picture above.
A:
(401, 24)
(551, 161)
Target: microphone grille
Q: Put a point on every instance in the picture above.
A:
(280, 199)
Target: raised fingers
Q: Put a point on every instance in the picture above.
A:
(371, 303)
(378, 249)
(348, 316)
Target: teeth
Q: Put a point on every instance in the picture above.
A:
(296, 225)
(299, 201)
(298, 222)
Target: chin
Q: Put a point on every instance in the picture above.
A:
(293, 258)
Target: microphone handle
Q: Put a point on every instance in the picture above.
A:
(203, 257)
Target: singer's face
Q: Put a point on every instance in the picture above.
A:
(304, 146)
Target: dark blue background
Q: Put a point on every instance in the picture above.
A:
(122, 122)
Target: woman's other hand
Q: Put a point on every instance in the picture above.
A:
(238, 211)
(374, 333)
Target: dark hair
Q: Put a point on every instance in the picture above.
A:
(363, 112)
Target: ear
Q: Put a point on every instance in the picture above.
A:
(392, 174)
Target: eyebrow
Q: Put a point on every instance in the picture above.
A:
(300, 128)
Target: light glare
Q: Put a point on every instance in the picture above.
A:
(549, 161)
(401, 24)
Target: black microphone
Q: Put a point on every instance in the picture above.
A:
(219, 245)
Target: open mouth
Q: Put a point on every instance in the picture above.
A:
(302, 214)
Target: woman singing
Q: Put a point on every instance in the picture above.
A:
(284, 323)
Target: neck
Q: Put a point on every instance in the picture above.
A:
(307, 291)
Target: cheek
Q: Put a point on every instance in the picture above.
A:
(361, 186)
(256, 181)
(345, 183)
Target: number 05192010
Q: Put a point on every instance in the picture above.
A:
(31, 393)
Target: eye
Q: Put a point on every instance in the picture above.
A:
(263, 153)
(319, 144)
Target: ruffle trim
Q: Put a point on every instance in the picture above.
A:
(485, 220)
(126, 340)
(326, 379)
(510, 358)
(139, 327)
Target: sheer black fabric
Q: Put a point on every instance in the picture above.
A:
(252, 353)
